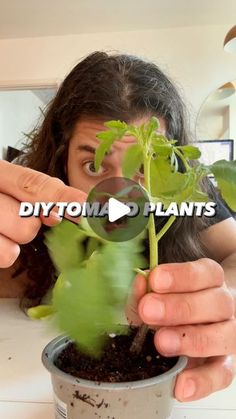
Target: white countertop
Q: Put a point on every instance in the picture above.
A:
(25, 387)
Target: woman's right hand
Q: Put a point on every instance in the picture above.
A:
(19, 184)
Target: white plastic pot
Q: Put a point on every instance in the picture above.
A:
(83, 399)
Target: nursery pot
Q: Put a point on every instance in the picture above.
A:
(83, 399)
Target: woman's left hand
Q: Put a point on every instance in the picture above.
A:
(195, 315)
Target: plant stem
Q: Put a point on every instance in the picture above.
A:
(140, 337)
(153, 253)
(154, 238)
(152, 242)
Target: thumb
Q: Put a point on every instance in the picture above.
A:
(139, 288)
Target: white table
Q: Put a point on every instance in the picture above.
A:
(25, 387)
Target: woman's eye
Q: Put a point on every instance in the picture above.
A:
(140, 171)
(89, 168)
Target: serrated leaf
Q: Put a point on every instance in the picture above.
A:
(171, 186)
(107, 136)
(107, 139)
(152, 125)
(225, 175)
(118, 268)
(82, 307)
(191, 152)
(160, 139)
(133, 131)
(132, 160)
(90, 300)
(102, 149)
(117, 125)
(64, 242)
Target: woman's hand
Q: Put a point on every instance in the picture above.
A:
(194, 312)
(18, 184)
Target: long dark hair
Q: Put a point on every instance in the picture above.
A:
(121, 87)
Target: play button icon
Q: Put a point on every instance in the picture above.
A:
(122, 202)
(117, 210)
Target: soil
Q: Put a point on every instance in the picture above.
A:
(116, 364)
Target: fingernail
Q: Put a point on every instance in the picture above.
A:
(189, 388)
(55, 216)
(163, 280)
(153, 310)
(169, 342)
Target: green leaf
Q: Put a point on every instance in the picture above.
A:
(102, 149)
(64, 242)
(90, 301)
(42, 311)
(107, 139)
(118, 268)
(199, 196)
(170, 186)
(160, 170)
(82, 307)
(225, 175)
(87, 230)
(91, 246)
(191, 152)
(152, 126)
(117, 125)
(107, 136)
(133, 131)
(164, 150)
(132, 161)
(160, 139)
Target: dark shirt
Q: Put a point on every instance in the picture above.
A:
(222, 211)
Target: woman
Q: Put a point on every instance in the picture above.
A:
(193, 290)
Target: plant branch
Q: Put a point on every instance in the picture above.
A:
(141, 272)
(166, 227)
(185, 163)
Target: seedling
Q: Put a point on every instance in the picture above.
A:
(95, 275)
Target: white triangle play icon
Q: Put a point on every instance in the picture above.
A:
(116, 210)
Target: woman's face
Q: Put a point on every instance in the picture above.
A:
(81, 173)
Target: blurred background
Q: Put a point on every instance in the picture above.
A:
(41, 41)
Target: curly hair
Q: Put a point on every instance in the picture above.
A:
(121, 87)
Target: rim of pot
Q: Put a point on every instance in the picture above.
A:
(53, 348)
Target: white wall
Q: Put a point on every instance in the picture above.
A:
(211, 126)
(232, 123)
(193, 56)
(19, 112)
